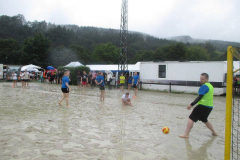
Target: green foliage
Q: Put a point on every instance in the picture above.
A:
(175, 52)
(196, 53)
(82, 54)
(10, 51)
(43, 44)
(36, 48)
(74, 70)
(105, 54)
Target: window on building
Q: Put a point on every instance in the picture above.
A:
(162, 71)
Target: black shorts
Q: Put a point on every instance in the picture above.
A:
(26, 80)
(200, 113)
(93, 81)
(135, 86)
(121, 84)
(65, 90)
(102, 87)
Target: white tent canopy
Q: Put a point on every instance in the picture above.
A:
(74, 64)
(114, 67)
(30, 67)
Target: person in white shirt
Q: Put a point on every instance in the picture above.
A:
(21, 76)
(14, 78)
(109, 78)
(26, 78)
(126, 99)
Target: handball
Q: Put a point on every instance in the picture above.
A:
(165, 130)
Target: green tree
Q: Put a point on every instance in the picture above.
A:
(105, 54)
(10, 51)
(36, 49)
(196, 53)
(175, 52)
(83, 55)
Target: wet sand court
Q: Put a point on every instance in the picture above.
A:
(34, 127)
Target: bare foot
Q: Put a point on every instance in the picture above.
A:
(214, 134)
(68, 106)
(183, 136)
(59, 104)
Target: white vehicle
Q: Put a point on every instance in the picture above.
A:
(178, 76)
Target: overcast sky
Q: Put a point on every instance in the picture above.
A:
(205, 19)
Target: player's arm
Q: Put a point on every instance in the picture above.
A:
(196, 100)
(123, 102)
(202, 91)
(68, 86)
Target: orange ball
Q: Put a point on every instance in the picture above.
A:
(165, 130)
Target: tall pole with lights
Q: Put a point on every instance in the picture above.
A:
(122, 63)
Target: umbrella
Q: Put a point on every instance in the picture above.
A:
(30, 67)
(107, 71)
(74, 64)
(50, 68)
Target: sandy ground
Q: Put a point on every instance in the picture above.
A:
(34, 127)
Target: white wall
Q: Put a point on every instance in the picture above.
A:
(184, 71)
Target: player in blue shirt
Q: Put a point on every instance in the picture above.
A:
(65, 88)
(135, 83)
(100, 82)
(130, 78)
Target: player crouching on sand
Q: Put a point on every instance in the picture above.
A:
(204, 107)
(65, 88)
(126, 99)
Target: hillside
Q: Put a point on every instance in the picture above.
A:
(220, 45)
(43, 43)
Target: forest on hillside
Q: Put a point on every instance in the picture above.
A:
(43, 44)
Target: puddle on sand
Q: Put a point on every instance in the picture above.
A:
(33, 126)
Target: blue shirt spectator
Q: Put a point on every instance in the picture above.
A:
(99, 79)
(130, 79)
(136, 78)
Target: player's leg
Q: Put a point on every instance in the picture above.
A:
(67, 99)
(63, 97)
(103, 95)
(209, 126)
(188, 129)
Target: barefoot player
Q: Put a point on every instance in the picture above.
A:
(204, 107)
(135, 83)
(65, 88)
(126, 99)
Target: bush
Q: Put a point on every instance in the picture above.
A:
(74, 71)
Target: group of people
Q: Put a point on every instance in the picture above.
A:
(52, 77)
(201, 112)
(24, 77)
(86, 79)
(98, 79)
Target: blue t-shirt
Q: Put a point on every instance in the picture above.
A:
(99, 78)
(130, 79)
(136, 77)
(64, 80)
(203, 90)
